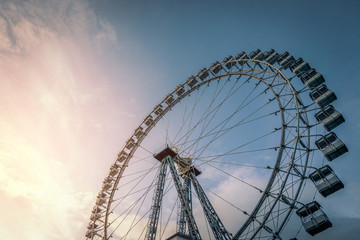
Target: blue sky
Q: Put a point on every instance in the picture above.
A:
(79, 76)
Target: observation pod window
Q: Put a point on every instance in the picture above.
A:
(329, 118)
(286, 60)
(203, 73)
(326, 181)
(323, 96)
(300, 67)
(215, 67)
(313, 219)
(271, 56)
(312, 79)
(241, 56)
(229, 62)
(257, 55)
(331, 146)
(191, 81)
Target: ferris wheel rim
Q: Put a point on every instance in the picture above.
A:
(302, 119)
(163, 113)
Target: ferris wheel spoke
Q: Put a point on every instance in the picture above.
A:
(213, 112)
(221, 119)
(223, 123)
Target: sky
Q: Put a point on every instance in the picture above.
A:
(77, 77)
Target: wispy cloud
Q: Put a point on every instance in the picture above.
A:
(53, 102)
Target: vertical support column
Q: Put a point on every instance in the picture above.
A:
(193, 229)
(157, 199)
(181, 221)
(215, 223)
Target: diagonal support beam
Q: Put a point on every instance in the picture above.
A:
(156, 206)
(193, 229)
(215, 223)
(181, 221)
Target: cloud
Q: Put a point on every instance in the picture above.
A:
(26, 23)
(54, 116)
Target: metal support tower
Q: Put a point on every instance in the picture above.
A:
(215, 223)
(157, 199)
(193, 229)
(181, 221)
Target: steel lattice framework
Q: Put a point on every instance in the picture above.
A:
(227, 115)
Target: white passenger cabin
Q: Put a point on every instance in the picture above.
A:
(203, 73)
(229, 62)
(323, 96)
(240, 57)
(331, 146)
(191, 81)
(257, 55)
(313, 219)
(271, 56)
(326, 181)
(329, 118)
(300, 67)
(286, 60)
(312, 79)
(215, 67)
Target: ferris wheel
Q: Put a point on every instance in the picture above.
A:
(226, 155)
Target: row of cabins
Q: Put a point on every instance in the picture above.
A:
(313, 218)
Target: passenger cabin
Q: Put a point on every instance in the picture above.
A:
(326, 181)
(130, 144)
(300, 67)
(191, 81)
(100, 201)
(286, 60)
(113, 172)
(312, 79)
(169, 99)
(148, 120)
(215, 67)
(92, 225)
(329, 118)
(313, 219)
(229, 62)
(271, 56)
(91, 233)
(323, 96)
(106, 186)
(122, 156)
(257, 55)
(158, 109)
(139, 132)
(180, 90)
(95, 216)
(240, 57)
(203, 73)
(108, 179)
(101, 195)
(331, 146)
